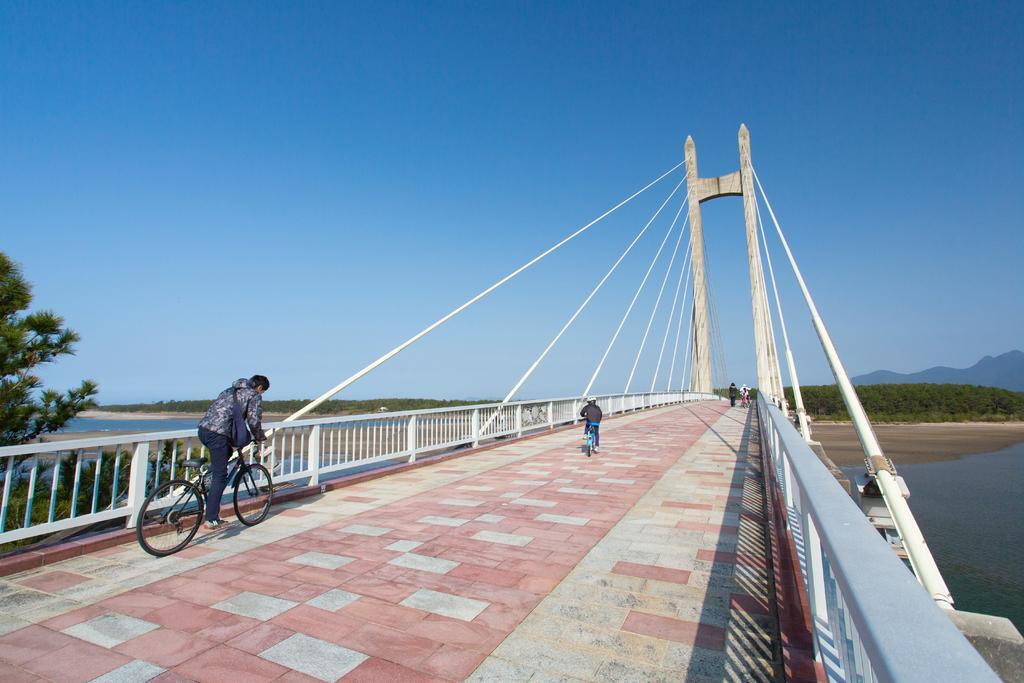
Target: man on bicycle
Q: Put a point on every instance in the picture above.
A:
(215, 433)
(592, 413)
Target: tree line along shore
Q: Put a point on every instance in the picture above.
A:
(911, 403)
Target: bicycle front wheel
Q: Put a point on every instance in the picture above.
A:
(169, 518)
(254, 492)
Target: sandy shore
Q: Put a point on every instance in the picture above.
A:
(114, 415)
(919, 443)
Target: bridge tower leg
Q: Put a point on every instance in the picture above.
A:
(700, 373)
(768, 369)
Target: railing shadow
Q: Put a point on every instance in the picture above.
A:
(737, 611)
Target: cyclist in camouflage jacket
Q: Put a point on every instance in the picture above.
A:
(218, 415)
(215, 434)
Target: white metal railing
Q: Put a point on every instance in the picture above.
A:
(872, 620)
(67, 485)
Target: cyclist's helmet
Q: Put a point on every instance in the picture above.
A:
(591, 399)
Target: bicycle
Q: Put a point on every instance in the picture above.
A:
(588, 437)
(171, 514)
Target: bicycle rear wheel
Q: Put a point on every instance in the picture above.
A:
(254, 492)
(169, 517)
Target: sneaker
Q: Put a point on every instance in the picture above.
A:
(215, 523)
(596, 449)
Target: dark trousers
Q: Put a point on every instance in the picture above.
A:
(596, 429)
(220, 451)
(732, 401)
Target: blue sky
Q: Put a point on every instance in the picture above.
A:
(207, 191)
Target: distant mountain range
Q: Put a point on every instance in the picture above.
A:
(1005, 371)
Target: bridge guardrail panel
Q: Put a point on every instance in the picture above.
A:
(53, 486)
(872, 619)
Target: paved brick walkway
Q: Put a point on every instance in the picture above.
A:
(524, 562)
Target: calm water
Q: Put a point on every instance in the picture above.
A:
(89, 424)
(971, 511)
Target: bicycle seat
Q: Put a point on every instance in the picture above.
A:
(192, 462)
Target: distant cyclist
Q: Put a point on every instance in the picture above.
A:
(215, 434)
(592, 413)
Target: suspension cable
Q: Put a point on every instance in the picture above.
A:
(639, 289)
(657, 302)
(590, 296)
(671, 317)
(921, 559)
(797, 396)
(687, 267)
(409, 342)
(717, 351)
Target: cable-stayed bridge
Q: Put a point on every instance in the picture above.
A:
(703, 542)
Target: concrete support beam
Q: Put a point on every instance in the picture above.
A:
(700, 373)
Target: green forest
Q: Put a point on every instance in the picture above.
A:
(917, 403)
(338, 407)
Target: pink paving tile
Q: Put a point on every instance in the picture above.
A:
(217, 574)
(265, 585)
(649, 571)
(453, 662)
(329, 626)
(498, 577)
(678, 630)
(136, 603)
(360, 499)
(30, 642)
(165, 647)
(319, 576)
(194, 591)
(264, 636)
(226, 629)
(390, 644)
(540, 585)
(302, 592)
(384, 613)
(76, 662)
(378, 588)
(548, 569)
(63, 621)
(469, 635)
(186, 617)
(377, 670)
(12, 674)
(53, 581)
(223, 664)
(502, 617)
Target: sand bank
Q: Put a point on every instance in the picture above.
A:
(919, 443)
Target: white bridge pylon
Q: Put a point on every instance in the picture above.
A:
(736, 184)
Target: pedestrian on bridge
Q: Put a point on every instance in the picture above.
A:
(216, 432)
(732, 394)
(592, 413)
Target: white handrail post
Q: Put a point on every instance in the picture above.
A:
(551, 414)
(519, 420)
(476, 427)
(137, 481)
(314, 456)
(411, 438)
